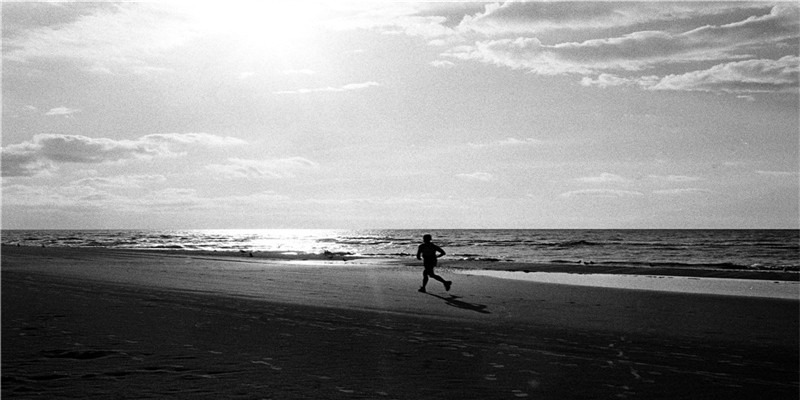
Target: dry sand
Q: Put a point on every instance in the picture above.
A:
(94, 323)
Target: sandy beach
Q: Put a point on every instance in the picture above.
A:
(96, 323)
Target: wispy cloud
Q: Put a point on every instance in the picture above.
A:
(79, 197)
(443, 64)
(675, 178)
(413, 19)
(510, 141)
(682, 191)
(608, 193)
(751, 76)
(123, 181)
(778, 173)
(604, 178)
(70, 198)
(476, 176)
(62, 111)
(540, 17)
(238, 168)
(44, 151)
(742, 76)
(343, 88)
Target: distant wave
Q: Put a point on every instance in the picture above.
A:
(721, 249)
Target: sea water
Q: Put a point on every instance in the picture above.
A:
(725, 249)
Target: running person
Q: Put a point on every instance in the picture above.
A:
(429, 253)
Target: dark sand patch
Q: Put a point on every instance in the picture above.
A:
(66, 336)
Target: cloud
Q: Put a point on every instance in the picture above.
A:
(511, 141)
(443, 64)
(82, 198)
(44, 151)
(123, 181)
(344, 88)
(238, 168)
(607, 193)
(621, 60)
(631, 52)
(608, 80)
(62, 111)
(75, 198)
(204, 139)
(778, 173)
(413, 19)
(539, 17)
(604, 178)
(680, 192)
(170, 199)
(122, 37)
(477, 176)
(519, 142)
(675, 178)
(749, 76)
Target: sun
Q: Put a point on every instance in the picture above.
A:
(259, 25)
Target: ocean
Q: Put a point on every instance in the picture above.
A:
(723, 249)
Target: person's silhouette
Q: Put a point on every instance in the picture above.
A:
(429, 253)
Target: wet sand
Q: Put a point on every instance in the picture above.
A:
(93, 323)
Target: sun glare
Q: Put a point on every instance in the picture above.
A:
(273, 26)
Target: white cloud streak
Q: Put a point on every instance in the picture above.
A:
(327, 89)
(604, 193)
(123, 181)
(749, 76)
(62, 111)
(782, 174)
(675, 178)
(238, 168)
(508, 142)
(682, 191)
(604, 178)
(444, 64)
(476, 176)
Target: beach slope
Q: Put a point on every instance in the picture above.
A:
(94, 323)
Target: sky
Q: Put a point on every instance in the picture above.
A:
(346, 115)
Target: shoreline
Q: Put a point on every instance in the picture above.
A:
(467, 265)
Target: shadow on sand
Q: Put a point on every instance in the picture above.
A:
(454, 301)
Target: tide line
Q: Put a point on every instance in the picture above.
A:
(680, 284)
